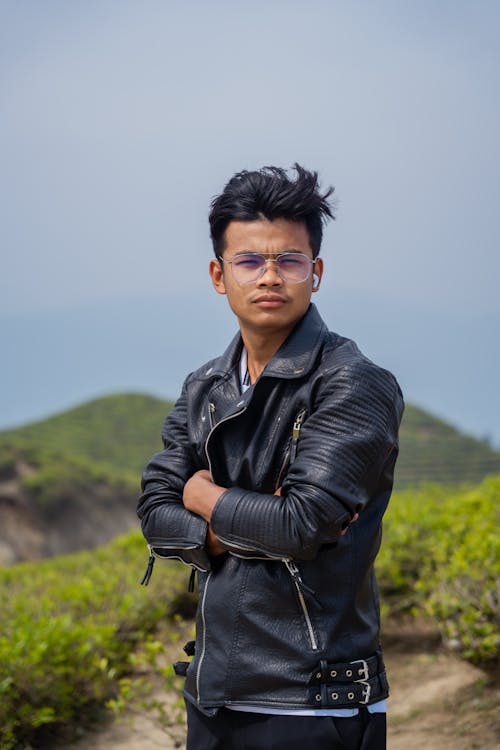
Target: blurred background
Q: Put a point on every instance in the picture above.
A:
(120, 120)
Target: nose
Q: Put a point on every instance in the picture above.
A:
(270, 275)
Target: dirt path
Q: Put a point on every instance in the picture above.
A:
(438, 702)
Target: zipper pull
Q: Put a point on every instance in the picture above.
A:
(295, 573)
(149, 570)
(297, 425)
(191, 581)
(211, 411)
(295, 434)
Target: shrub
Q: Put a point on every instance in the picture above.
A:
(69, 627)
(441, 557)
(462, 590)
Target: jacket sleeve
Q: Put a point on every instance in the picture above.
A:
(169, 528)
(345, 446)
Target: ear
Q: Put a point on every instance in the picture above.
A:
(217, 276)
(318, 273)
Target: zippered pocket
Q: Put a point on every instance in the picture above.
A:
(291, 447)
(299, 584)
(284, 465)
(300, 587)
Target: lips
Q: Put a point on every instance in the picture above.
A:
(269, 300)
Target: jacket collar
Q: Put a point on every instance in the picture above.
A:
(294, 359)
(298, 354)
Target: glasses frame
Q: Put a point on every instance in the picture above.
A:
(275, 260)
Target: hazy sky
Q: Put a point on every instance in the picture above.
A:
(120, 120)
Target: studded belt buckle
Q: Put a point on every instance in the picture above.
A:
(365, 692)
(363, 670)
(363, 680)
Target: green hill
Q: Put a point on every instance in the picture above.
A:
(119, 433)
(433, 451)
(71, 482)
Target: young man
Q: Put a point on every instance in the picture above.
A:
(276, 471)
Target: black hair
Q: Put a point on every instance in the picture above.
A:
(270, 193)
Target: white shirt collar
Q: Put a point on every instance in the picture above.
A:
(244, 374)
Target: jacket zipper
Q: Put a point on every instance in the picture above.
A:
(153, 556)
(242, 548)
(295, 433)
(300, 585)
(291, 450)
(203, 637)
(285, 463)
(292, 568)
(297, 581)
(213, 426)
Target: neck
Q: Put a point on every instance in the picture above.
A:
(260, 349)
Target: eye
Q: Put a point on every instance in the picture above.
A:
(247, 261)
(292, 260)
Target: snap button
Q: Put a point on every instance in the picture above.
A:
(333, 673)
(348, 673)
(318, 675)
(350, 696)
(335, 696)
(318, 697)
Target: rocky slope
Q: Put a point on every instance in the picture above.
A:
(90, 516)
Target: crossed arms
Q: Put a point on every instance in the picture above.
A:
(344, 445)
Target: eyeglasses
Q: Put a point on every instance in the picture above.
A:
(249, 267)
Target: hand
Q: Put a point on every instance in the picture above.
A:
(353, 519)
(200, 494)
(212, 544)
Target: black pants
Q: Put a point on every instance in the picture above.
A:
(238, 730)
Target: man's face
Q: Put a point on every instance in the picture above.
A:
(268, 305)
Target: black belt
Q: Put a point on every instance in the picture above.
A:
(337, 685)
(348, 684)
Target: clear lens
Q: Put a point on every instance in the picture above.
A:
(292, 267)
(248, 267)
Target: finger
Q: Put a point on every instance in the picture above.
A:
(353, 519)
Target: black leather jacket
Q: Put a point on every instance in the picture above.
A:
(292, 596)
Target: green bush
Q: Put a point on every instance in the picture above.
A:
(70, 625)
(463, 588)
(441, 557)
(69, 628)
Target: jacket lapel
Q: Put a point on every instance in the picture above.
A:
(295, 359)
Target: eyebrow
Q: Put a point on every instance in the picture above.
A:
(269, 255)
